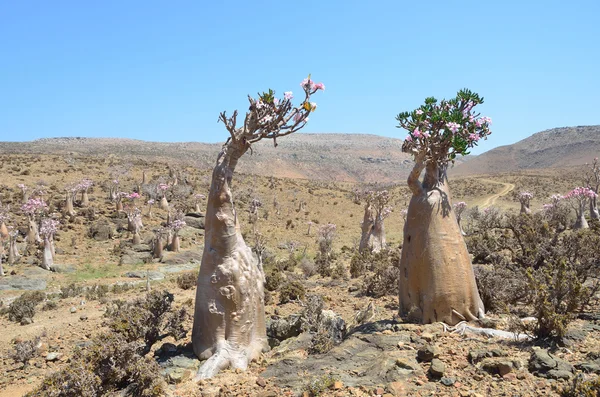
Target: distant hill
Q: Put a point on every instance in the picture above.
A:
(558, 147)
(341, 157)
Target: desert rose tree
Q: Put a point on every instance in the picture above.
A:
(48, 230)
(229, 318)
(437, 282)
(376, 210)
(525, 200)
(593, 182)
(579, 198)
(459, 209)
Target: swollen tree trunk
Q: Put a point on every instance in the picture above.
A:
(164, 204)
(197, 208)
(437, 282)
(157, 249)
(525, 208)
(229, 318)
(367, 229)
(594, 214)
(3, 231)
(47, 257)
(143, 177)
(174, 246)
(378, 237)
(69, 205)
(85, 201)
(33, 235)
(13, 252)
(580, 222)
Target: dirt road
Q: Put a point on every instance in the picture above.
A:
(491, 200)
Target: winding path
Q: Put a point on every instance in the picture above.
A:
(491, 200)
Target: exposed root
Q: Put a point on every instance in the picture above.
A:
(225, 357)
(462, 328)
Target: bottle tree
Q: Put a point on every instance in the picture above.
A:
(525, 200)
(229, 317)
(437, 282)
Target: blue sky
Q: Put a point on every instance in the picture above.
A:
(163, 71)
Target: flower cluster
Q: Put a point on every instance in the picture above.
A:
(581, 193)
(49, 227)
(177, 224)
(84, 185)
(443, 130)
(525, 196)
(162, 187)
(460, 207)
(133, 196)
(150, 202)
(22, 187)
(33, 205)
(327, 232)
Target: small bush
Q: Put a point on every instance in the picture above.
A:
(321, 342)
(292, 290)
(96, 292)
(70, 291)
(317, 386)
(187, 281)
(308, 267)
(50, 305)
(110, 364)
(24, 306)
(25, 351)
(579, 387)
(499, 286)
(273, 279)
(382, 274)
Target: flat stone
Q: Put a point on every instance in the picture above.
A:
(437, 368)
(447, 381)
(428, 353)
(261, 382)
(178, 375)
(407, 363)
(152, 275)
(559, 374)
(590, 367)
(26, 321)
(52, 356)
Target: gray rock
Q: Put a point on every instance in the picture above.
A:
(284, 328)
(141, 248)
(62, 268)
(195, 222)
(102, 230)
(177, 375)
(544, 364)
(26, 321)
(52, 356)
(447, 381)
(407, 363)
(185, 362)
(22, 283)
(477, 355)
(143, 274)
(590, 367)
(335, 324)
(427, 353)
(497, 367)
(73, 310)
(135, 258)
(559, 374)
(437, 368)
(83, 317)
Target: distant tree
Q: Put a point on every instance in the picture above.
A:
(24, 193)
(229, 319)
(459, 208)
(525, 199)
(162, 192)
(579, 198)
(175, 226)
(592, 180)
(437, 282)
(83, 187)
(376, 211)
(48, 230)
(33, 208)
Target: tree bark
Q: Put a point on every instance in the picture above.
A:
(13, 252)
(85, 201)
(580, 222)
(594, 214)
(229, 318)
(47, 259)
(164, 204)
(367, 229)
(437, 282)
(33, 235)
(174, 246)
(69, 205)
(525, 208)
(3, 231)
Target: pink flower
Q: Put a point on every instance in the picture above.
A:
(417, 133)
(419, 112)
(454, 127)
(308, 84)
(473, 137)
(288, 95)
(276, 101)
(320, 86)
(408, 138)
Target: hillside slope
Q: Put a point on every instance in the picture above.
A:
(341, 157)
(558, 147)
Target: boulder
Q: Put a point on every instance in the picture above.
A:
(545, 365)
(102, 230)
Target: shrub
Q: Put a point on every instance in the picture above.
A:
(317, 386)
(580, 387)
(50, 305)
(273, 279)
(24, 306)
(144, 319)
(308, 267)
(96, 292)
(110, 364)
(382, 276)
(498, 286)
(292, 290)
(321, 342)
(187, 280)
(25, 351)
(70, 291)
